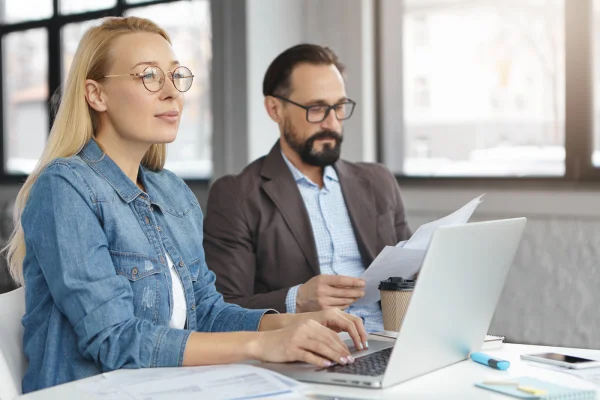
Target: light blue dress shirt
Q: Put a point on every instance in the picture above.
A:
(334, 237)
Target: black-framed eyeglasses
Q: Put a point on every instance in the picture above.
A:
(318, 113)
(153, 78)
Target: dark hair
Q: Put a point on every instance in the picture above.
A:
(277, 77)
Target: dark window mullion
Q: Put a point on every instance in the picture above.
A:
(121, 7)
(2, 122)
(54, 59)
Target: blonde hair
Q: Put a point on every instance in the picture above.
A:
(75, 121)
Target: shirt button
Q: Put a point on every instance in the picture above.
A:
(181, 264)
(158, 228)
(193, 306)
(151, 208)
(147, 220)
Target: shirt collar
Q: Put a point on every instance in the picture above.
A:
(93, 155)
(329, 172)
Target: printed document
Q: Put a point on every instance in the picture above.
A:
(405, 259)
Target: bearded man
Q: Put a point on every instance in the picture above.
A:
(297, 227)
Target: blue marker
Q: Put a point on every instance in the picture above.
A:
(490, 361)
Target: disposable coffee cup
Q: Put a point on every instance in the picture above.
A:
(395, 297)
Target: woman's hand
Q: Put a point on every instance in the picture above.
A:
(307, 340)
(339, 321)
(312, 338)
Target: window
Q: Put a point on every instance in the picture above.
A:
(482, 88)
(38, 45)
(25, 83)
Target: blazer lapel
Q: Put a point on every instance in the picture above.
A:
(360, 202)
(283, 192)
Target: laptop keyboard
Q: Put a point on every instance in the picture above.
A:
(372, 365)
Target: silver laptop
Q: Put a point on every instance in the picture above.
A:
(451, 308)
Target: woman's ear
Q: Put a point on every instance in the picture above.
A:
(94, 95)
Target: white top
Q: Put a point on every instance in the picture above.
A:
(179, 305)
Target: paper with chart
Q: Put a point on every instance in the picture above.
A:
(405, 259)
(223, 382)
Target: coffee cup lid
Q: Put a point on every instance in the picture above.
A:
(396, 283)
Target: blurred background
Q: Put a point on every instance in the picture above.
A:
(456, 97)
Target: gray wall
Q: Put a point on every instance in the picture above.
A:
(552, 292)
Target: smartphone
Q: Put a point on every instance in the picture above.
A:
(562, 360)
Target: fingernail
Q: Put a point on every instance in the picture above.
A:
(367, 344)
(344, 360)
(351, 359)
(360, 346)
(327, 363)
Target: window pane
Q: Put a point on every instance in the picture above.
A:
(78, 6)
(483, 88)
(188, 25)
(19, 10)
(71, 34)
(25, 81)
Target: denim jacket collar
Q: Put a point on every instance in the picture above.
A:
(93, 155)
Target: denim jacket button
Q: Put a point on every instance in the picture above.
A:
(193, 306)
(181, 264)
(134, 271)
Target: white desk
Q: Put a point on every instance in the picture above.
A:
(453, 382)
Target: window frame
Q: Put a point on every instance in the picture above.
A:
(579, 102)
(54, 25)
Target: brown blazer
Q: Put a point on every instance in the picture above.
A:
(258, 237)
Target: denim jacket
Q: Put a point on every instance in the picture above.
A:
(98, 288)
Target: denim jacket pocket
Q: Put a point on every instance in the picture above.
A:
(145, 276)
(194, 268)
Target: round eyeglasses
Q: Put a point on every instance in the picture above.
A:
(153, 78)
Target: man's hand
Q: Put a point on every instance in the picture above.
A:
(329, 291)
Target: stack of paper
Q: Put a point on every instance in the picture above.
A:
(224, 382)
(405, 259)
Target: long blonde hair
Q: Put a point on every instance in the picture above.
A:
(75, 121)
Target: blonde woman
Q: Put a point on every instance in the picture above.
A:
(109, 244)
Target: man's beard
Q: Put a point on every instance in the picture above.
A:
(327, 156)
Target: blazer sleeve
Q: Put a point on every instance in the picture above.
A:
(229, 248)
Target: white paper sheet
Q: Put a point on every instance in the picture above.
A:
(405, 259)
(392, 261)
(236, 381)
(421, 238)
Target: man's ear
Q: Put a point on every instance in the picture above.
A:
(274, 109)
(94, 95)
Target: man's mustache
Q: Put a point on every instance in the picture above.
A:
(325, 135)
